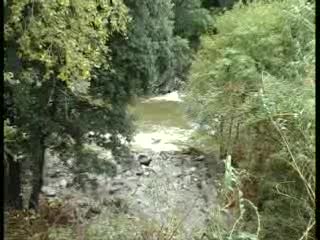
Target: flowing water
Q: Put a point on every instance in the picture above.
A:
(177, 184)
(161, 123)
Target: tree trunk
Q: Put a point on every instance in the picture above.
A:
(230, 141)
(12, 183)
(38, 164)
(222, 140)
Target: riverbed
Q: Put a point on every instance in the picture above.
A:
(159, 181)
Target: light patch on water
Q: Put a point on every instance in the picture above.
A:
(162, 125)
(172, 97)
(162, 139)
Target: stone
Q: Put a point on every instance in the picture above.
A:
(114, 189)
(105, 202)
(118, 183)
(200, 158)
(92, 177)
(187, 179)
(70, 162)
(55, 174)
(132, 178)
(144, 159)
(92, 211)
(63, 183)
(155, 141)
(95, 210)
(83, 204)
(178, 162)
(119, 168)
(49, 191)
(191, 170)
(177, 174)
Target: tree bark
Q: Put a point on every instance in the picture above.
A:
(223, 153)
(38, 164)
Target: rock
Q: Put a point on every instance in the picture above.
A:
(203, 210)
(117, 177)
(144, 160)
(49, 191)
(208, 175)
(178, 162)
(92, 177)
(191, 170)
(95, 209)
(83, 204)
(114, 189)
(69, 184)
(187, 180)
(177, 174)
(63, 183)
(119, 168)
(139, 172)
(118, 183)
(163, 155)
(200, 158)
(199, 185)
(70, 162)
(105, 202)
(155, 141)
(55, 174)
(132, 178)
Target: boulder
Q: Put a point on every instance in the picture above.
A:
(114, 189)
(55, 174)
(200, 158)
(144, 159)
(155, 141)
(63, 183)
(139, 172)
(49, 191)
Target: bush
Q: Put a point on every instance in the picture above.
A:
(253, 84)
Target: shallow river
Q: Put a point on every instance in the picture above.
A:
(172, 185)
(161, 123)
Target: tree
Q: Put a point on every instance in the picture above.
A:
(53, 49)
(253, 84)
(191, 20)
(146, 59)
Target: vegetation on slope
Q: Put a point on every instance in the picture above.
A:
(72, 67)
(253, 84)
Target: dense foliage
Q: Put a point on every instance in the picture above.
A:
(73, 66)
(157, 53)
(146, 56)
(253, 85)
(53, 51)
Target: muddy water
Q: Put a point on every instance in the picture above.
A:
(161, 123)
(175, 185)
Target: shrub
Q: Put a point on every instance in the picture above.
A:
(253, 84)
